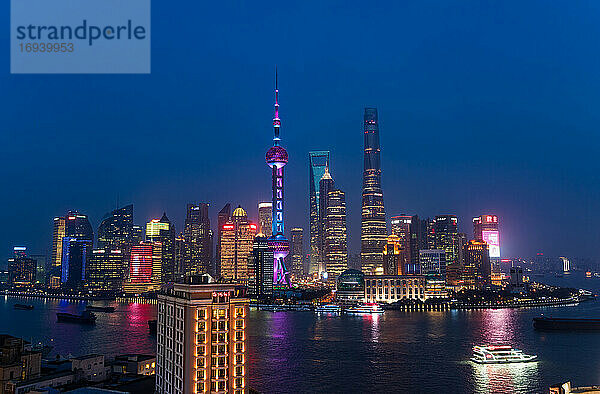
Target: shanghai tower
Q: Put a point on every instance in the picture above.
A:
(373, 229)
(277, 158)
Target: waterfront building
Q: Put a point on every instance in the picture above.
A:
(198, 240)
(76, 253)
(277, 158)
(435, 287)
(394, 260)
(265, 218)
(145, 268)
(116, 230)
(373, 227)
(336, 235)
(162, 230)
(401, 227)
(318, 161)
(566, 264)
(486, 228)
(57, 237)
(17, 362)
(297, 247)
(22, 269)
(516, 281)
(392, 288)
(41, 273)
(222, 218)
(433, 262)
(260, 282)
(326, 185)
(350, 287)
(201, 338)
(237, 237)
(477, 268)
(445, 231)
(78, 226)
(106, 270)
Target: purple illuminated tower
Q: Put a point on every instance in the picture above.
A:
(277, 157)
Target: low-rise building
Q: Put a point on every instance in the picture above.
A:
(392, 288)
(17, 362)
(140, 364)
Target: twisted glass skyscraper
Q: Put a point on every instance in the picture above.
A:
(373, 228)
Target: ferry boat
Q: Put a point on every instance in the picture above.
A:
(367, 308)
(86, 317)
(499, 354)
(328, 308)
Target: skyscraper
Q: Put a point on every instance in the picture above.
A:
(433, 262)
(394, 261)
(76, 253)
(277, 158)
(236, 242)
(162, 230)
(260, 283)
(201, 339)
(145, 268)
(106, 270)
(198, 240)
(265, 218)
(373, 227)
(326, 185)
(335, 234)
(57, 236)
(21, 268)
(401, 227)
(477, 268)
(222, 218)
(78, 226)
(485, 228)
(116, 230)
(445, 228)
(318, 161)
(297, 246)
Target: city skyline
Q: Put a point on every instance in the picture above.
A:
(492, 127)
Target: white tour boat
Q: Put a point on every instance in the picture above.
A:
(367, 308)
(500, 354)
(328, 308)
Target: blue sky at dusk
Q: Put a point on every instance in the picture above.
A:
(484, 107)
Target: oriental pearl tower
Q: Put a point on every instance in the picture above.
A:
(277, 158)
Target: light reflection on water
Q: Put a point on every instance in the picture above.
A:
(506, 378)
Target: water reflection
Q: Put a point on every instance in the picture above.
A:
(505, 378)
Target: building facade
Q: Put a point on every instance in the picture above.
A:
(163, 231)
(116, 230)
(260, 282)
(297, 249)
(318, 161)
(201, 339)
(393, 288)
(22, 269)
(237, 238)
(477, 268)
(198, 240)
(106, 270)
(76, 254)
(373, 226)
(265, 218)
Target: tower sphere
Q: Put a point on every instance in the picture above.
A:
(277, 156)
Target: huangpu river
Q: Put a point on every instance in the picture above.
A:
(301, 352)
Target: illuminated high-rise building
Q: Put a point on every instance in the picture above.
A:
(198, 240)
(485, 228)
(265, 218)
(236, 242)
(433, 262)
(373, 227)
(78, 226)
(57, 236)
(201, 339)
(326, 184)
(394, 260)
(277, 158)
(566, 264)
(401, 227)
(335, 234)
(260, 282)
(116, 230)
(76, 253)
(477, 267)
(106, 270)
(445, 231)
(222, 218)
(297, 248)
(21, 268)
(162, 230)
(318, 161)
(145, 268)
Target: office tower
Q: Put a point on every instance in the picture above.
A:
(477, 268)
(427, 234)
(277, 158)
(336, 237)
(179, 257)
(106, 270)
(325, 186)
(445, 231)
(145, 268)
(394, 260)
(116, 230)
(297, 246)
(162, 230)
(566, 264)
(57, 236)
(485, 228)
(401, 226)
(78, 226)
(373, 228)
(265, 218)
(198, 240)
(137, 234)
(318, 161)
(237, 237)
(222, 218)
(260, 283)
(415, 240)
(76, 253)
(433, 262)
(21, 268)
(201, 339)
